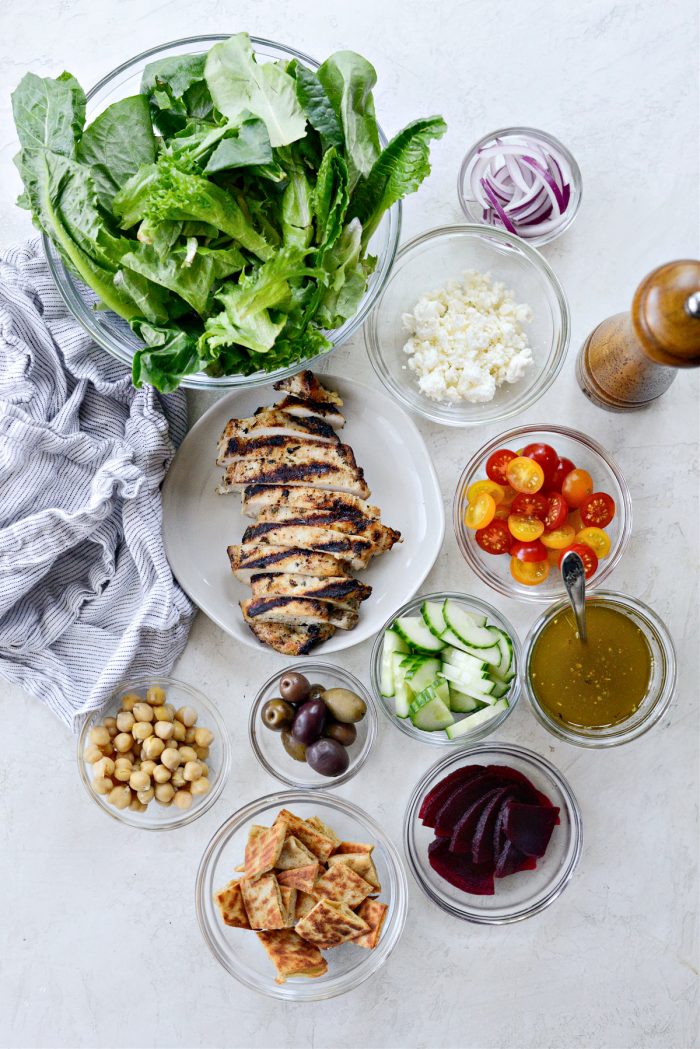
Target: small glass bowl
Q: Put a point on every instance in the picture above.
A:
(428, 262)
(113, 333)
(240, 952)
(473, 209)
(518, 896)
(164, 817)
(661, 686)
(440, 739)
(267, 745)
(586, 454)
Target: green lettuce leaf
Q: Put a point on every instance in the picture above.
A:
(169, 355)
(348, 79)
(177, 92)
(117, 143)
(49, 114)
(248, 144)
(346, 282)
(317, 106)
(330, 198)
(192, 279)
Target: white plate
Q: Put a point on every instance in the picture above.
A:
(198, 524)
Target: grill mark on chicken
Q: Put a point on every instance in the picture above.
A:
(288, 640)
(320, 474)
(345, 519)
(270, 447)
(273, 423)
(337, 589)
(258, 497)
(306, 386)
(352, 548)
(305, 408)
(253, 558)
(303, 611)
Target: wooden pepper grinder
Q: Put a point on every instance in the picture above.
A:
(632, 358)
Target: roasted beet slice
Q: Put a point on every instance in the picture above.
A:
(529, 827)
(433, 800)
(463, 834)
(459, 870)
(459, 801)
(482, 842)
(512, 860)
(529, 793)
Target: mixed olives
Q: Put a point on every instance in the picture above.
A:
(316, 724)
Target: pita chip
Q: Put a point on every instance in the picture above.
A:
(302, 878)
(263, 850)
(230, 903)
(320, 844)
(374, 913)
(289, 902)
(343, 885)
(361, 863)
(263, 902)
(329, 924)
(323, 828)
(294, 854)
(291, 955)
(305, 903)
(353, 846)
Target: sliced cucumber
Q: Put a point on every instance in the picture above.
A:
(462, 624)
(416, 634)
(429, 710)
(435, 622)
(500, 688)
(505, 648)
(437, 689)
(465, 661)
(392, 643)
(473, 721)
(465, 682)
(402, 693)
(418, 678)
(461, 703)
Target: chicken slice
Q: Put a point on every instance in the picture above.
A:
(249, 559)
(299, 612)
(351, 549)
(309, 463)
(257, 497)
(307, 387)
(347, 520)
(274, 423)
(339, 590)
(305, 409)
(287, 640)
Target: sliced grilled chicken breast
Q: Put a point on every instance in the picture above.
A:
(347, 520)
(274, 423)
(289, 641)
(287, 448)
(309, 463)
(306, 386)
(249, 559)
(299, 612)
(339, 590)
(305, 409)
(350, 549)
(257, 497)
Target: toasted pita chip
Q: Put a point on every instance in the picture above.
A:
(305, 903)
(308, 835)
(263, 850)
(353, 846)
(291, 955)
(303, 878)
(343, 885)
(263, 902)
(374, 913)
(331, 923)
(294, 854)
(323, 828)
(230, 903)
(289, 902)
(361, 863)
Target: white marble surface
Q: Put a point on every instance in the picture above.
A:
(99, 943)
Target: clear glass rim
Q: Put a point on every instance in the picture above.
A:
(311, 991)
(356, 763)
(466, 543)
(442, 414)
(430, 737)
(624, 732)
(531, 132)
(67, 289)
(573, 811)
(200, 701)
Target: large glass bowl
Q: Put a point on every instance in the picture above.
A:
(240, 952)
(518, 896)
(427, 263)
(586, 454)
(113, 333)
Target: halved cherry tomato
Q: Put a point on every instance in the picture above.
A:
(577, 485)
(525, 475)
(495, 538)
(597, 510)
(545, 455)
(575, 521)
(496, 465)
(480, 512)
(588, 556)
(564, 467)
(529, 573)
(526, 529)
(559, 537)
(502, 512)
(509, 494)
(597, 539)
(529, 551)
(557, 512)
(534, 505)
(490, 487)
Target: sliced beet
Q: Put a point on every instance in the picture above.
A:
(529, 794)
(459, 800)
(459, 870)
(433, 800)
(511, 860)
(463, 834)
(529, 827)
(499, 834)
(482, 842)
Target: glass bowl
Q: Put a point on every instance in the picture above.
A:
(473, 209)
(585, 453)
(440, 739)
(430, 260)
(661, 686)
(267, 744)
(164, 817)
(239, 950)
(113, 333)
(518, 896)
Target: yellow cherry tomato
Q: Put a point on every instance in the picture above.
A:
(509, 495)
(597, 539)
(525, 527)
(496, 491)
(525, 475)
(575, 521)
(553, 557)
(481, 511)
(558, 538)
(529, 573)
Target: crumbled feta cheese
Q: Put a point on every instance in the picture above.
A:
(466, 339)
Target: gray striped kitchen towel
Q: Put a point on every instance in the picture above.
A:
(86, 594)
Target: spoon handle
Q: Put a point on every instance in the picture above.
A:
(574, 576)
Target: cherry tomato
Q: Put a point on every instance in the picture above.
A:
(496, 465)
(525, 475)
(502, 512)
(564, 467)
(529, 551)
(575, 521)
(577, 485)
(495, 538)
(588, 556)
(545, 455)
(526, 529)
(490, 487)
(597, 510)
(534, 505)
(558, 538)
(557, 512)
(480, 512)
(553, 557)
(597, 539)
(529, 573)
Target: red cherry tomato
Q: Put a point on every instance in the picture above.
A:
(557, 512)
(530, 552)
(534, 505)
(545, 455)
(597, 510)
(564, 467)
(496, 465)
(495, 538)
(577, 486)
(588, 556)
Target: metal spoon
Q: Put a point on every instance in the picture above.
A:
(574, 576)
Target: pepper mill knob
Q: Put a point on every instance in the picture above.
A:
(666, 314)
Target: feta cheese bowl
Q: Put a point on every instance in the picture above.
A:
(471, 327)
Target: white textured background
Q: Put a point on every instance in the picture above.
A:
(98, 940)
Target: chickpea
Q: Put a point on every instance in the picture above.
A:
(109, 724)
(130, 700)
(155, 696)
(164, 729)
(104, 767)
(153, 748)
(148, 767)
(123, 742)
(179, 732)
(203, 737)
(188, 754)
(161, 774)
(178, 778)
(145, 796)
(200, 786)
(139, 780)
(136, 806)
(99, 736)
(183, 799)
(108, 748)
(165, 793)
(164, 713)
(102, 785)
(170, 758)
(205, 769)
(125, 721)
(123, 773)
(202, 753)
(120, 797)
(187, 715)
(193, 770)
(142, 730)
(143, 711)
(93, 754)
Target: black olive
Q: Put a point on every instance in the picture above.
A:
(294, 687)
(345, 734)
(327, 757)
(309, 721)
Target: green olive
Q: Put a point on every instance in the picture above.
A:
(345, 734)
(294, 747)
(277, 714)
(344, 705)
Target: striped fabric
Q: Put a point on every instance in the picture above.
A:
(86, 594)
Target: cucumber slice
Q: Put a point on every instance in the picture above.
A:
(461, 623)
(423, 675)
(476, 687)
(472, 721)
(392, 643)
(437, 689)
(416, 634)
(433, 618)
(465, 661)
(501, 688)
(430, 711)
(505, 646)
(402, 693)
(461, 703)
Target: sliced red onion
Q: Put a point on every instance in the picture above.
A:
(493, 199)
